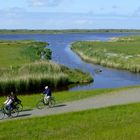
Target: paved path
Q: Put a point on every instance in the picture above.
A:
(99, 101)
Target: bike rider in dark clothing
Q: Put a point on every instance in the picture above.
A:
(15, 99)
(47, 94)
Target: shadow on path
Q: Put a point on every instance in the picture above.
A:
(26, 110)
(61, 105)
(23, 115)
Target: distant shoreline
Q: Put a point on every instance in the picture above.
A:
(44, 31)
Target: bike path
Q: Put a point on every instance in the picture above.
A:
(99, 101)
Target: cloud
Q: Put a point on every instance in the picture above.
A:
(12, 12)
(114, 7)
(137, 12)
(43, 3)
(56, 20)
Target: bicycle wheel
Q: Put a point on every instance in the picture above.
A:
(40, 104)
(14, 112)
(2, 114)
(52, 102)
(19, 107)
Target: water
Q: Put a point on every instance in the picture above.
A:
(60, 46)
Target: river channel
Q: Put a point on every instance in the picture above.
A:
(62, 54)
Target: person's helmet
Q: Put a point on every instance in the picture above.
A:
(46, 87)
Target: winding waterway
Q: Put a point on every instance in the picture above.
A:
(62, 54)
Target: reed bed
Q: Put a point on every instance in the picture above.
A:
(123, 53)
(32, 83)
(35, 76)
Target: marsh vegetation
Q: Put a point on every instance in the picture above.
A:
(120, 53)
(22, 68)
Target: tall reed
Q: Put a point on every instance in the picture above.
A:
(35, 76)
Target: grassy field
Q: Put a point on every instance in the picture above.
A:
(23, 70)
(112, 123)
(122, 53)
(17, 53)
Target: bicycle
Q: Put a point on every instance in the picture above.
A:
(19, 106)
(16, 108)
(41, 104)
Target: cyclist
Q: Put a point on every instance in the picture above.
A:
(47, 94)
(15, 100)
(8, 104)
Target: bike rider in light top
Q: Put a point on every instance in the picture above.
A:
(47, 94)
(8, 104)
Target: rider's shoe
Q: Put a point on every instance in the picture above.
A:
(9, 115)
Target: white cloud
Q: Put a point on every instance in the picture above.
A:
(36, 3)
(12, 12)
(42, 3)
(45, 20)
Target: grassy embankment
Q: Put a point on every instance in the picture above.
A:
(22, 69)
(112, 123)
(121, 53)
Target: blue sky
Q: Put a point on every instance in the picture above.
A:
(70, 14)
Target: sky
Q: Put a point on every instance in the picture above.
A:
(69, 14)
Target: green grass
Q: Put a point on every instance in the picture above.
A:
(112, 123)
(122, 53)
(17, 53)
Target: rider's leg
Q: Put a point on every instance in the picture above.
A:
(48, 98)
(45, 99)
(8, 110)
